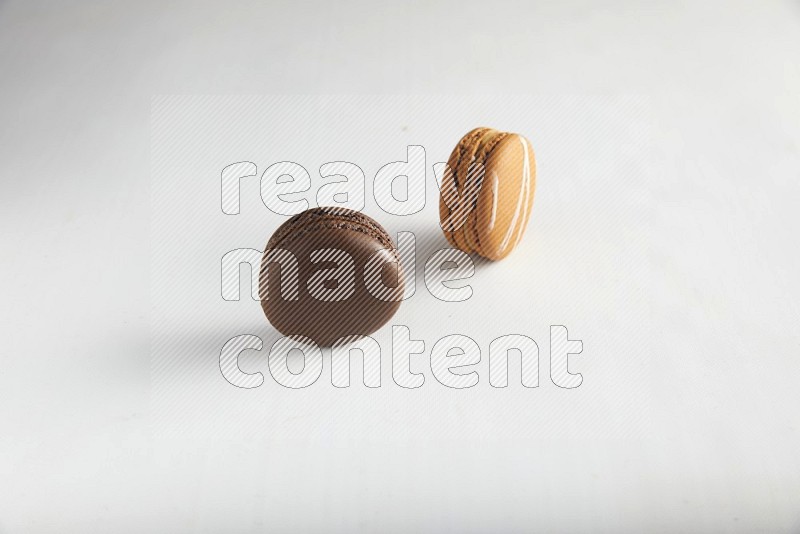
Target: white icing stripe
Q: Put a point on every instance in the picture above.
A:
(527, 171)
(526, 175)
(494, 201)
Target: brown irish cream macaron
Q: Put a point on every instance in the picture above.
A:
(328, 273)
(487, 192)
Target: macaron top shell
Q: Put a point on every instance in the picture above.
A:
(329, 217)
(487, 192)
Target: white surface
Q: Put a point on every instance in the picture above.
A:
(687, 419)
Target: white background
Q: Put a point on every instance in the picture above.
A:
(676, 259)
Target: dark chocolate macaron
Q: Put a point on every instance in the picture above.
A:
(328, 273)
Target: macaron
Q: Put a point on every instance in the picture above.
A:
(328, 273)
(487, 192)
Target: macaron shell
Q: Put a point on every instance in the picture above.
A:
(328, 216)
(506, 197)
